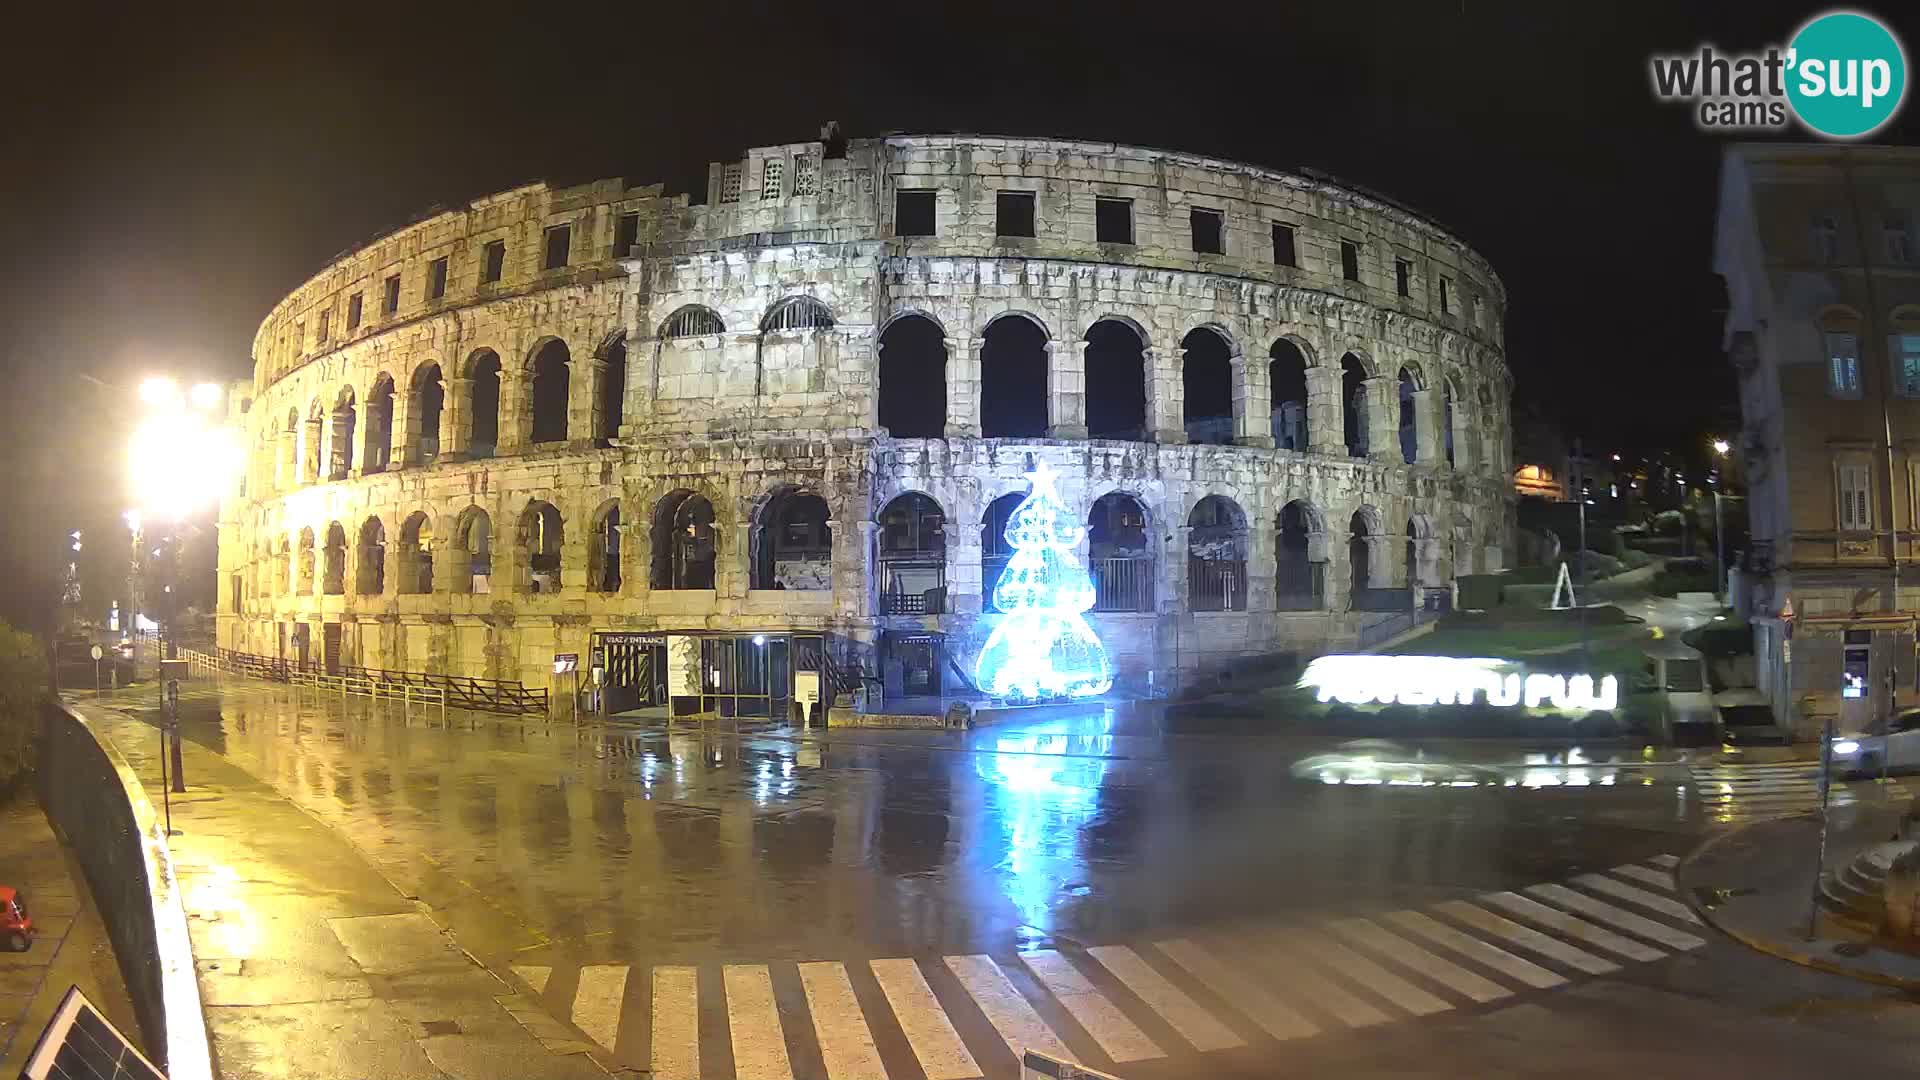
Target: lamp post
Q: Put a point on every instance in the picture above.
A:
(1720, 448)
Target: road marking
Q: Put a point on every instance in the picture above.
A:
(1473, 948)
(535, 977)
(1572, 926)
(1371, 975)
(1615, 917)
(1181, 1012)
(1672, 909)
(1527, 938)
(676, 1023)
(1119, 1038)
(846, 1044)
(1667, 861)
(1659, 879)
(1006, 1010)
(938, 1047)
(753, 1022)
(596, 1003)
(1274, 1016)
(1322, 991)
(1412, 956)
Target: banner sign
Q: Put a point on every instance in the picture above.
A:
(1455, 680)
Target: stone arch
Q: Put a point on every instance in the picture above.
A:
(550, 364)
(1454, 423)
(340, 429)
(691, 320)
(427, 399)
(1287, 364)
(911, 313)
(283, 574)
(483, 403)
(1209, 398)
(541, 543)
(1406, 385)
(333, 565)
(306, 557)
(416, 554)
(471, 547)
(604, 544)
(378, 451)
(1365, 534)
(610, 387)
(796, 313)
(1014, 376)
(1300, 557)
(1120, 552)
(685, 541)
(995, 550)
(370, 558)
(913, 377)
(1116, 379)
(792, 541)
(289, 466)
(1353, 403)
(1216, 555)
(911, 555)
(1421, 552)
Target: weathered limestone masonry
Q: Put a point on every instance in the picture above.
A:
(490, 435)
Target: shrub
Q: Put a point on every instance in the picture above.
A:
(23, 691)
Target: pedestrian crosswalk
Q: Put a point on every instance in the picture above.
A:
(1139, 1003)
(1752, 791)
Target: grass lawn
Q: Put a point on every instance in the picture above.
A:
(1612, 645)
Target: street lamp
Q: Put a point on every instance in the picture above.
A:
(1720, 448)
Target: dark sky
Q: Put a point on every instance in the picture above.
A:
(168, 176)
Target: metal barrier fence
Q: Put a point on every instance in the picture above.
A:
(1216, 584)
(481, 695)
(1122, 584)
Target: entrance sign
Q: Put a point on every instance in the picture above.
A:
(565, 662)
(683, 665)
(806, 688)
(1454, 680)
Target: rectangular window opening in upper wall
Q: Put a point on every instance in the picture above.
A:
(1208, 231)
(730, 183)
(353, 312)
(390, 297)
(772, 176)
(1013, 213)
(913, 213)
(1350, 260)
(1843, 364)
(626, 236)
(1446, 296)
(493, 261)
(1403, 277)
(1856, 496)
(1283, 252)
(323, 331)
(1113, 221)
(437, 278)
(559, 247)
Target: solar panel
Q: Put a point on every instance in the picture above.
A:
(79, 1044)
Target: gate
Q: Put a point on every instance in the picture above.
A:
(636, 670)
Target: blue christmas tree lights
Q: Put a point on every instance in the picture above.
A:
(1043, 647)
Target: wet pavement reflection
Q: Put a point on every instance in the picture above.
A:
(542, 841)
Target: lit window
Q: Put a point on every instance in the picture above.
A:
(805, 176)
(1856, 498)
(1843, 364)
(771, 175)
(730, 183)
(1908, 356)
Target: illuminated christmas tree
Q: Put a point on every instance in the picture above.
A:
(1043, 646)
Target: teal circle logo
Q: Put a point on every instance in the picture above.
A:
(1847, 74)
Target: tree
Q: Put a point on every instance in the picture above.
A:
(23, 692)
(1043, 646)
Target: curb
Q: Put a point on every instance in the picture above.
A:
(1771, 948)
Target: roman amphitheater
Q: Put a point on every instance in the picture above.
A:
(741, 449)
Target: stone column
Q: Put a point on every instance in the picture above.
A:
(395, 566)
(313, 469)
(963, 388)
(1066, 389)
(1165, 393)
(1383, 419)
(456, 418)
(574, 543)
(1261, 568)
(516, 411)
(853, 564)
(584, 407)
(1252, 403)
(1427, 422)
(402, 449)
(1466, 440)
(1326, 419)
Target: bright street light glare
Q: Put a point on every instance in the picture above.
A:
(206, 395)
(178, 464)
(1720, 446)
(159, 390)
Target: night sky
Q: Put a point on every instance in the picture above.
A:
(169, 176)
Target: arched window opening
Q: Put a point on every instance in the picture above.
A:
(1116, 382)
(550, 393)
(340, 436)
(1353, 404)
(284, 574)
(913, 556)
(1360, 558)
(797, 313)
(995, 551)
(794, 547)
(1120, 554)
(1287, 383)
(370, 578)
(473, 552)
(311, 438)
(1013, 380)
(1421, 553)
(1300, 559)
(913, 379)
(290, 452)
(1206, 380)
(1409, 426)
(306, 558)
(684, 542)
(416, 554)
(1216, 556)
(613, 390)
(692, 321)
(483, 372)
(333, 571)
(603, 552)
(429, 398)
(540, 540)
(1447, 418)
(379, 449)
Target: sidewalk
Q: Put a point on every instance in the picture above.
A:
(71, 947)
(311, 964)
(1756, 883)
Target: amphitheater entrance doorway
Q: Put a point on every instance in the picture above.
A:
(911, 664)
(636, 666)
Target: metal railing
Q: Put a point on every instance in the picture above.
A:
(1382, 599)
(482, 695)
(913, 587)
(1300, 586)
(1216, 584)
(991, 567)
(1122, 583)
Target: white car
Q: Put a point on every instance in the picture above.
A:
(1891, 746)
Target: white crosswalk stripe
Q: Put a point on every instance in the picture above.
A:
(1241, 985)
(1665, 862)
(1742, 791)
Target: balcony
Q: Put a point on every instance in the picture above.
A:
(913, 587)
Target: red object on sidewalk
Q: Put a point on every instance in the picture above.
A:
(16, 926)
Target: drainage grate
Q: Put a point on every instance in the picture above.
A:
(441, 1027)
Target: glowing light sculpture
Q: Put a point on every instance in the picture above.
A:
(1042, 647)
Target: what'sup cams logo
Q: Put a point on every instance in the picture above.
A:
(1842, 76)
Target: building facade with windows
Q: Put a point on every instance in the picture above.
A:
(794, 419)
(1816, 245)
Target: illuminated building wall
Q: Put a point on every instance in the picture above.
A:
(1279, 406)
